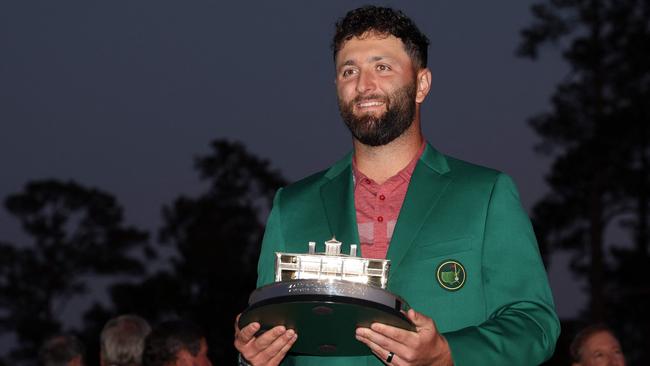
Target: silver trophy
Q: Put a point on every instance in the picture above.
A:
(324, 297)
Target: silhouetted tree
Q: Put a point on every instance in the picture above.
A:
(218, 236)
(78, 234)
(598, 134)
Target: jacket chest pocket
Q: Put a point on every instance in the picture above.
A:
(446, 248)
(443, 281)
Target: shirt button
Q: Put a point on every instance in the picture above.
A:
(366, 181)
(380, 218)
(382, 197)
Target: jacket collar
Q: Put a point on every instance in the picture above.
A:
(428, 183)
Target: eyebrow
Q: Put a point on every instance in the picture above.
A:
(371, 59)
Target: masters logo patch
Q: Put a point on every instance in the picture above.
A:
(451, 275)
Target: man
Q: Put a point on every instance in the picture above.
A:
(122, 341)
(595, 346)
(462, 250)
(176, 343)
(62, 350)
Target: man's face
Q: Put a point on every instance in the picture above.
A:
(76, 361)
(601, 349)
(185, 358)
(376, 87)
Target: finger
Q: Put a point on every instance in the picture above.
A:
(380, 352)
(278, 344)
(237, 324)
(283, 351)
(247, 333)
(257, 345)
(365, 334)
(266, 339)
(397, 334)
(419, 320)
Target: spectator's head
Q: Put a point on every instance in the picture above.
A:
(176, 343)
(122, 341)
(596, 345)
(62, 350)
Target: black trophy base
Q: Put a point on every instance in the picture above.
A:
(325, 315)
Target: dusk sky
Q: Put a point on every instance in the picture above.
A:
(121, 95)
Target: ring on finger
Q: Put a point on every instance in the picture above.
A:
(390, 357)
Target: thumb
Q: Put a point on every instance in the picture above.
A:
(420, 320)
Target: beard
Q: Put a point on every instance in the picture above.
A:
(379, 130)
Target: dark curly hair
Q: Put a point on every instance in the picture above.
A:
(384, 21)
(167, 339)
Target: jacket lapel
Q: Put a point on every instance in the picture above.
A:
(338, 200)
(428, 183)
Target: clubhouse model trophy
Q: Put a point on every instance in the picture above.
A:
(324, 297)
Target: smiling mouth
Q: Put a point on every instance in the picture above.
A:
(370, 104)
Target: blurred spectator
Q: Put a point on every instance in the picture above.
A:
(176, 343)
(596, 345)
(62, 350)
(122, 341)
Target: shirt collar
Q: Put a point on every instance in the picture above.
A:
(404, 174)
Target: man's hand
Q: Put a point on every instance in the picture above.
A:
(425, 346)
(267, 349)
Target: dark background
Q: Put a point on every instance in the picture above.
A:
(124, 96)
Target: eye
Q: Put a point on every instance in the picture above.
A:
(382, 67)
(347, 73)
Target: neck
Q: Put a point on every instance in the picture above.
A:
(382, 162)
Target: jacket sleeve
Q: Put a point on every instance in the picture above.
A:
(522, 326)
(272, 242)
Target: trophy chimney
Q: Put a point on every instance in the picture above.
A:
(353, 250)
(332, 247)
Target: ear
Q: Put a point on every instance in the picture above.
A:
(423, 84)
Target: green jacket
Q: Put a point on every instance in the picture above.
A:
(502, 315)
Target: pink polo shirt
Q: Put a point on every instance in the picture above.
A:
(378, 207)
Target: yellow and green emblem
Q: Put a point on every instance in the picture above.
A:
(451, 275)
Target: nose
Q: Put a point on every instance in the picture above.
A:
(366, 82)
